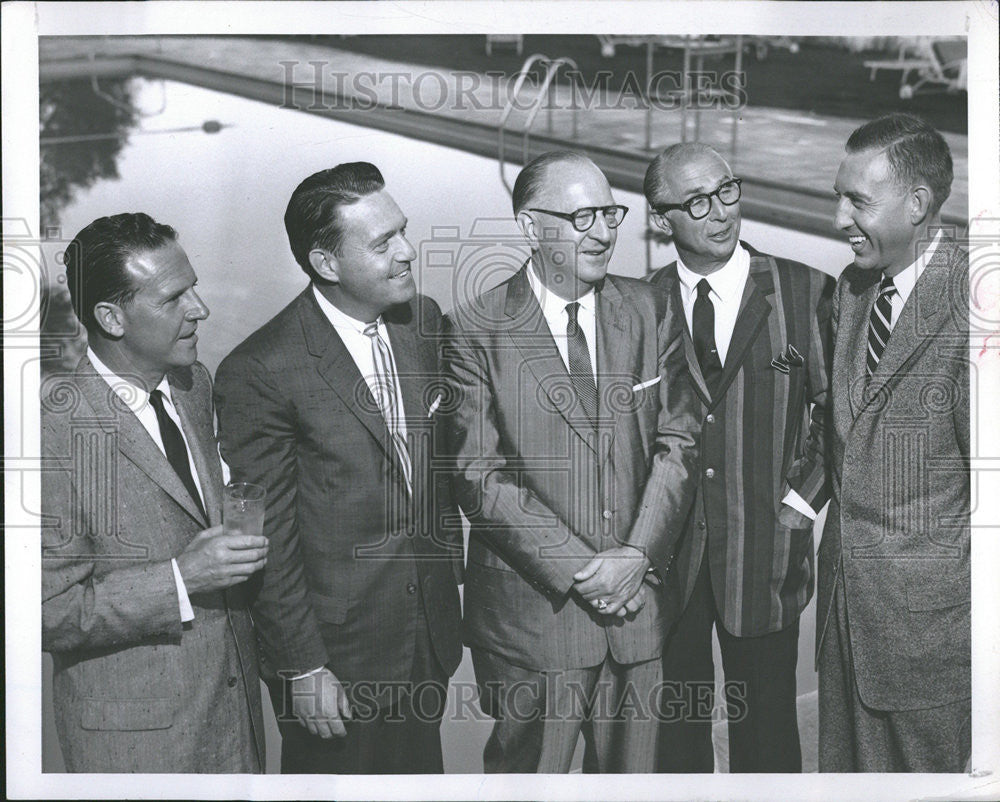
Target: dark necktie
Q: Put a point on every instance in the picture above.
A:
(173, 444)
(703, 334)
(388, 402)
(878, 325)
(581, 372)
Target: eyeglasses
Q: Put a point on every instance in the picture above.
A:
(700, 205)
(583, 219)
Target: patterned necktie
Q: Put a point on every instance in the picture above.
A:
(878, 325)
(703, 334)
(581, 372)
(173, 444)
(386, 395)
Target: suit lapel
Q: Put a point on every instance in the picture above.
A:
(672, 286)
(337, 368)
(854, 320)
(921, 318)
(201, 440)
(755, 307)
(614, 348)
(531, 336)
(134, 441)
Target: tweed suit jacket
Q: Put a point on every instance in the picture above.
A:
(762, 434)
(348, 545)
(135, 690)
(543, 492)
(897, 533)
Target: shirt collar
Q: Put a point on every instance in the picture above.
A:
(132, 395)
(727, 282)
(906, 280)
(553, 305)
(338, 319)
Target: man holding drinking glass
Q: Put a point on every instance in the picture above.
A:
(144, 603)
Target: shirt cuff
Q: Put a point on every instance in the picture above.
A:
(797, 503)
(308, 673)
(187, 612)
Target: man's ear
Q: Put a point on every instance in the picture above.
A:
(109, 317)
(660, 221)
(325, 265)
(528, 228)
(921, 198)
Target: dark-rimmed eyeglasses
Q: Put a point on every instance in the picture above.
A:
(583, 219)
(700, 205)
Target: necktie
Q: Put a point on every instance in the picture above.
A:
(703, 334)
(581, 372)
(878, 324)
(387, 398)
(173, 444)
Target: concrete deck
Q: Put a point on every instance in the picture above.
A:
(788, 160)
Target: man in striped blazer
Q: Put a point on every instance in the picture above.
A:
(758, 347)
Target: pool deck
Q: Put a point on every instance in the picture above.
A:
(788, 159)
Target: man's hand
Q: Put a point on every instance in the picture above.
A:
(320, 704)
(793, 519)
(613, 577)
(213, 560)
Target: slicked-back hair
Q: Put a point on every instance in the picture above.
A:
(654, 184)
(312, 218)
(917, 153)
(531, 179)
(97, 260)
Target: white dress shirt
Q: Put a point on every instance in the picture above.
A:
(359, 346)
(728, 283)
(137, 400)
(906, 280)
(557, 318)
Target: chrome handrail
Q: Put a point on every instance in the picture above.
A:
(544, 91)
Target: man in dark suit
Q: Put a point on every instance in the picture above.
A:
(757, 341)
(332, 406)
(574, 434)
(143, 595)
(894, 582)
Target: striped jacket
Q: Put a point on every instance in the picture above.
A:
(759, 439)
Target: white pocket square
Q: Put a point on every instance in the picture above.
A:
(434, 405)
(646, 384)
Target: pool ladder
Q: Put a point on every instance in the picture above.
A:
(542, 98)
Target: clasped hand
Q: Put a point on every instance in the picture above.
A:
(614, 577)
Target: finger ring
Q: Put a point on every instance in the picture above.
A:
(602, 605)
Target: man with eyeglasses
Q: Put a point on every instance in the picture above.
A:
(757, 342)
(574, 435)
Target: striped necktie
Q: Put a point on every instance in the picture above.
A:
(386, 395)
(879, 324)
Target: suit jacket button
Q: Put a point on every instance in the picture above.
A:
(232, 682)
(709, 473)
(701, 524)
(411, 588)
(710, 418)
(607, 515)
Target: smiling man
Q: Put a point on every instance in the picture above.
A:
(893, 605)
(331, 406)
(144, 603)
(574, 435)
(757, 341)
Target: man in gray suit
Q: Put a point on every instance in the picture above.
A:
(575, 434)
(893, 601)
(143, 594)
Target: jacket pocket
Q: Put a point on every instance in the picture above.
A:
(128, 714)
(937, 597)
(330, 609)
